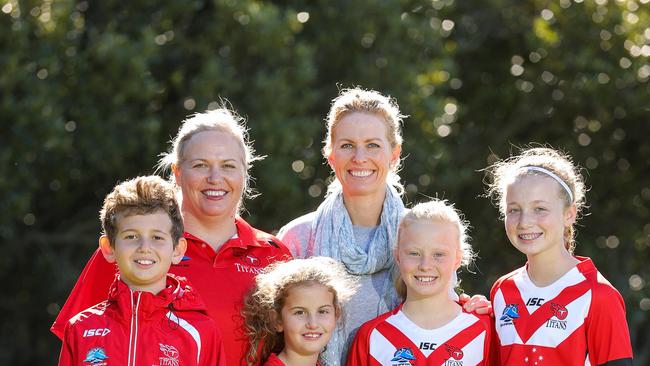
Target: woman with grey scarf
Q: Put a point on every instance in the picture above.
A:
(357, 222)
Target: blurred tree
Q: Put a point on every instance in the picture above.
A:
(91, 92)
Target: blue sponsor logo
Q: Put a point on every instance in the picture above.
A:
(185, 258)
(95, 355)
(510, 312)
(403, 355)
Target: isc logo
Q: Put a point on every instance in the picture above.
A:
(534, 301)
(427, 345)
(99, 332)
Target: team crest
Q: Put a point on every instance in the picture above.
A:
(252, 260)
(170, 355)
(403, 356)
(454, 352)
(249, 263)
(509, 313)
(560, 313)
(455, 356)
(96, 356)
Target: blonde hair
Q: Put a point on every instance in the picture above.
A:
(436, 210)
(221, 119)
(141, 196)
(264, 304)
(372, 102)
(504, 172)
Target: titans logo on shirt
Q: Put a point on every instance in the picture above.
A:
(560, 313)
(169, 356)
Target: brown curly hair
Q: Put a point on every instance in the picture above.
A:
(263, 305)
(139, 196)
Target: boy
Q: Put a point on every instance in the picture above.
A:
(151, 317)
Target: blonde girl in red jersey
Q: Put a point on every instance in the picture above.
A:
(429, 328)
(557, 309)
(293, 310)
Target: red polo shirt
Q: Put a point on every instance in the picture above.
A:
(221, 278)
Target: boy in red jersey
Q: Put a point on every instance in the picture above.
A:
(150, 317)
(209, 159)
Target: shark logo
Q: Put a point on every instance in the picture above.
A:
(509, 313)
(403, 355)
(95, 356)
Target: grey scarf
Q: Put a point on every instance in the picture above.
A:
(332, 236)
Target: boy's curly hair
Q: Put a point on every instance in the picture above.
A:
(263, 306)
(139, 196)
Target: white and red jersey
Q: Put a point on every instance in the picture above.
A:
(140, 328)
(577, 320)
(392, 339)
(221, 278)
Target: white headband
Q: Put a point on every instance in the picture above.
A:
(552, 175)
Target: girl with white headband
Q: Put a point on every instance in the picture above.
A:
(557, 309)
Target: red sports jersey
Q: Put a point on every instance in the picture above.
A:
(221, 278)
(578, 320)
(140, 328)
(392, 339)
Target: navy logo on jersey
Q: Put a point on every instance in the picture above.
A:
(403, 356)
(534, 301)
(509, 313)
(96, 356)
(185, 258)
(428, 346)
(559, 312)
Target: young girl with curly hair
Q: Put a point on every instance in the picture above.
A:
(293, 310)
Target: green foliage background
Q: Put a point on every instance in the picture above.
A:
(90, 93)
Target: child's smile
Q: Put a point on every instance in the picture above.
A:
(144, 249)
(308, 319)
(427, 255)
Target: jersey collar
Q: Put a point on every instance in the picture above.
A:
(244, 238)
